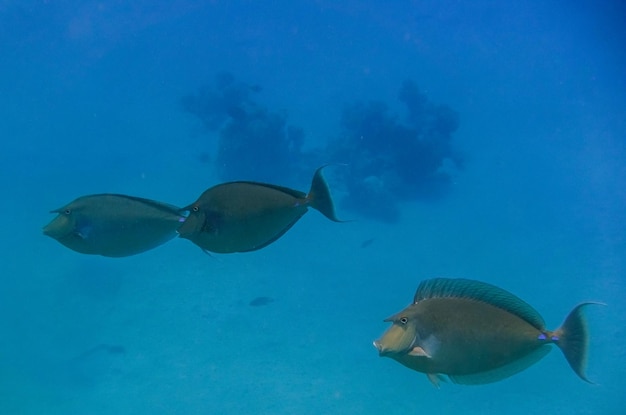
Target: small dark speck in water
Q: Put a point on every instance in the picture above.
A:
(114, 349)
(104, 348)
(204, 158)
(367, 243)
(261, 301)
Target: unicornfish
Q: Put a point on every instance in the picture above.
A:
(473, 333)
(245, 216)
(114, 225)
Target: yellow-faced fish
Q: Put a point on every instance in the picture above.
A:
(476, 333)
(114, 225)
(246, 216)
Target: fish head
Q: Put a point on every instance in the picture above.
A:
(199, 220)
(193, 223)
(402, 336)
(70, 228)
(62, 225)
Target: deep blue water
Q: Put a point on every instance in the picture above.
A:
(531, 197)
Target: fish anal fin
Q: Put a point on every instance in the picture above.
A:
(502, 372)
(275, 237)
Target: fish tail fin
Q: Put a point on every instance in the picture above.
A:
(573, 339)
(319, 196)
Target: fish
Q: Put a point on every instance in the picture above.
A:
(244, 216)
(261, 301)
(367, 243)
(472, 332)
(114, 225)
(111, 349)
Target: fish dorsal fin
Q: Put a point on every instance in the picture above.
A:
(295, 193)
(166, 207)
(479, 291)
(157, 205)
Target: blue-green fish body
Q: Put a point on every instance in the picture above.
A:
(247, 216)
(114, 225)
(475, 333)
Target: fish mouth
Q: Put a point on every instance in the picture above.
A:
(389, 349)
(57, 234)
(54, 230)
(381, 350)
(189, 224)
(59, 228)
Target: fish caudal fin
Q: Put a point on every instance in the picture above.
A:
(319, 196)
(573, 339)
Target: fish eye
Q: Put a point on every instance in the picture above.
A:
(67, 211)
(195, 208)
(404, 320)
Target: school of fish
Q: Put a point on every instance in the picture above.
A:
(467, 331)
(230, 217)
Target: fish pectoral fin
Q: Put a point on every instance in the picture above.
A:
(428, 347)
(83, 232)
(418, 351)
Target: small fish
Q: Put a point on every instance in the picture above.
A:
(477, 333)
(367, 243)
(261, 301)
(246, 216)
(114, 225)
(102, 348)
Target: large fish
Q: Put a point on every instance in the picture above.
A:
(475, 333)
(246, 216)
(114, 225)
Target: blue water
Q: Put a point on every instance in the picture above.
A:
(90, 102)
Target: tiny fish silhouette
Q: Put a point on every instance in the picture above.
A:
(114, 225)
(476, 333)
(367, 243)
(261, 301)
(246, 216)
